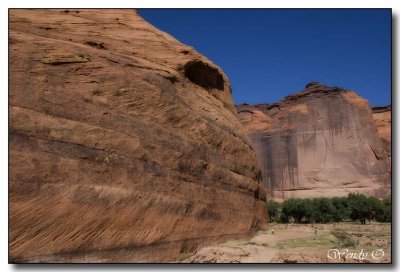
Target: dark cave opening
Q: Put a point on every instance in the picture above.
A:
(204, 75)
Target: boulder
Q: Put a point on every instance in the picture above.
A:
(124, 144)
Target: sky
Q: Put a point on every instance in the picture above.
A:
(268, 54)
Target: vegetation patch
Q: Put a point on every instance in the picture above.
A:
(323, 241)
(354, 207)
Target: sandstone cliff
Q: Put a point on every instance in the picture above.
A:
(321, 141)
(124, 144)
(383, 123)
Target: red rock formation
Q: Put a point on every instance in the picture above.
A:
(383, 123)
(124, 143)
(319, 142)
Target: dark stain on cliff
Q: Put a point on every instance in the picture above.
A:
(319, 138)
(279, 159)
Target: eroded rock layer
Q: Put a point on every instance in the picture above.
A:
(124, 144)
(319, 142)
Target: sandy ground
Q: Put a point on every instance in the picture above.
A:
(294, 243)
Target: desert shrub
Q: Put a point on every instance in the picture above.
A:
(344, 240)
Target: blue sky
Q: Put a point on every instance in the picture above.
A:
(270, 53)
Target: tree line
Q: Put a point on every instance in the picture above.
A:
(354, 207)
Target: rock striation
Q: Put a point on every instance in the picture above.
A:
(321, 141)
(124, 143)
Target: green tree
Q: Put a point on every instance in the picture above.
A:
(295, 209)
(322, 210)
(307, 208)
(273, 210)
(341, 209)
(376, 208)
(299, 210)
(386, 215)
(287, 210)
(360, 207)
(356, 207)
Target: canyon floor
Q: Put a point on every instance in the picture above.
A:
(305, 243)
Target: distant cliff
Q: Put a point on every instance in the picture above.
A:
(321, 141)
(124, 143)
(383, 123)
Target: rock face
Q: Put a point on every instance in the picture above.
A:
(124, 144)
(383, 123)
(321, 141)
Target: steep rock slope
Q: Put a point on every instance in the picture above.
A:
(321, 141)
(124, 144)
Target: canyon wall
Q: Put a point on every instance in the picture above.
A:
(124, 144)
(383, 123)
(321, 141)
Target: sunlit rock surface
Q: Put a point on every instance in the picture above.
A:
(321, 141)
(124, 143)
